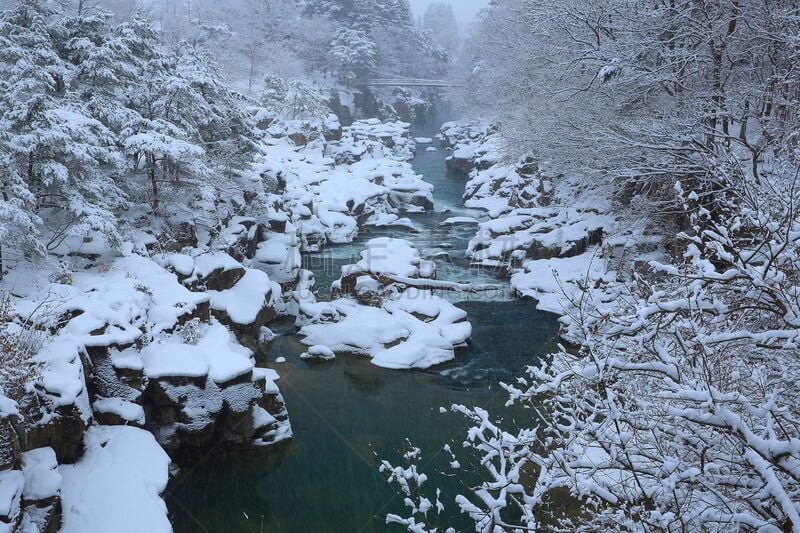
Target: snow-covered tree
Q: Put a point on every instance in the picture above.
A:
(292, 100)
(441, 21)
(66, 158)
(352, 55)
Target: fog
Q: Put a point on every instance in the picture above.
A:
(465, 9)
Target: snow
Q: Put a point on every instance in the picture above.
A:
(8, 407)
(245, 300)
(12, 483)
(453, 221)
(386, 255)
(116, 486)
(62, 374)
(332, 187)
(42, 475)
(173, 360)
(319, 352)
(209, 262)
(113, 301)
(553, 282)
(216, 355)
(181, 263)
(415, 329)
(124, 409)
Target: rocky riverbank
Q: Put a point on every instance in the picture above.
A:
(552, 234)
(151, 346)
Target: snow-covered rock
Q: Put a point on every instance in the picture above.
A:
(42, 476)
(12, 483)
(117, 484)
(384, 262)
(319, 352)
(332, 188)
(415, 329)
(555, 283)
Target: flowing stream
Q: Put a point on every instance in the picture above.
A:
(348, 414)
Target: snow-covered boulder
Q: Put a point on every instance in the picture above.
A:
(319, 352)
(537, 233)
(117, 484)
(384, 262)
(270, 417)
(473, 143)
(415, 329)
(42, 510)
(12, 483)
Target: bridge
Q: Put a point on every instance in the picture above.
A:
(406, 82)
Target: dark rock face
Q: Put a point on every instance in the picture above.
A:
(221, 279)
(189, 416)
(44, 515)
(364, 103)
(298, 138)
(459, 166)
(342, 112)
(61, 429)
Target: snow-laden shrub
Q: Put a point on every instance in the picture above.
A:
(19, 342)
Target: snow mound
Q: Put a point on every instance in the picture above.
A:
(319, 352)
(215, 354)
(554, 283)
(117, 485)
(416, 329)
(42, 477)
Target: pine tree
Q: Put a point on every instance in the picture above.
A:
(65, 158)
(353, 55)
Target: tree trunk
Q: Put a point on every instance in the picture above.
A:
(151, 164)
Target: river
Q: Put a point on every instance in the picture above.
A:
(347, 414)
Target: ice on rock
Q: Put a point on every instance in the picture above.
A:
(117, 485)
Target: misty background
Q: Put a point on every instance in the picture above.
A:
(465, 10)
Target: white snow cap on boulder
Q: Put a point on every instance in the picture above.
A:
(117, 485)
(387, 256)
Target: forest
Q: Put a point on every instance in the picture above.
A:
(378, 265)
